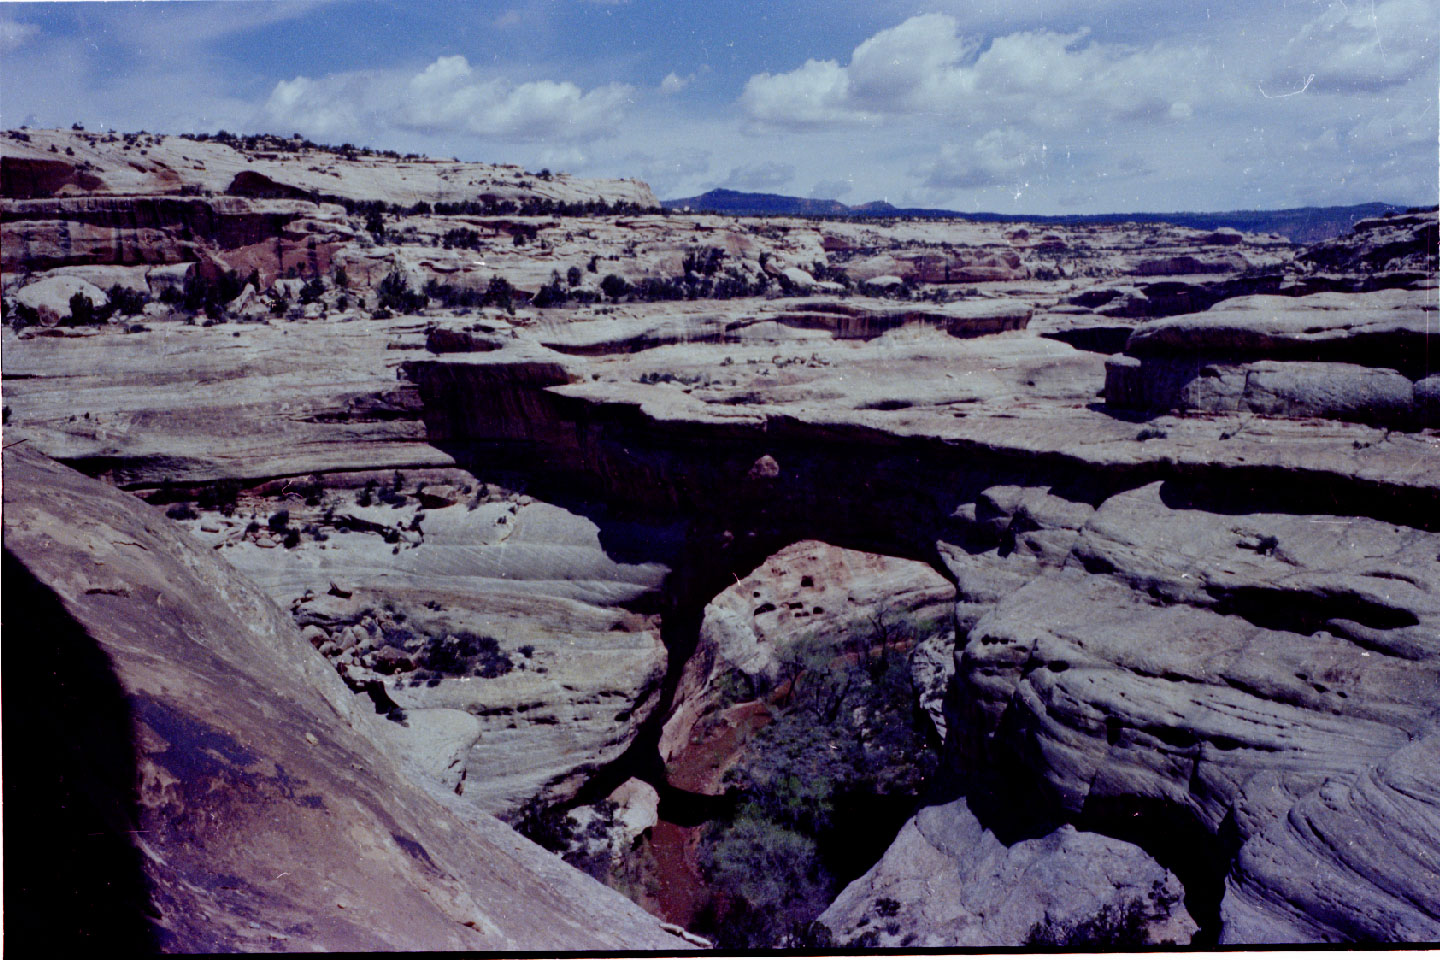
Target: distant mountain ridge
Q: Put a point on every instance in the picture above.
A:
(1298, 224)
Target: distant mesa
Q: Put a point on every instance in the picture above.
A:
(1297, 224)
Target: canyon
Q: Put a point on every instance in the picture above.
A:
(1003, 583)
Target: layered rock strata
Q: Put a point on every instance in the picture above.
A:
(1316, 356)
(1199, 644)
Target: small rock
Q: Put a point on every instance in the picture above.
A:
(765, 468)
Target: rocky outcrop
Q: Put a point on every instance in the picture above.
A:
(26, 177)
(857, 318)
(1158, 660)
(950, 266)
(242, 233)
(1317, 356)
(1400, 243)
(198, 779)
(1186, 672)
(1377, 835)
(808, 590)
(501, 630)
(135, 164)
(946, 881)
(170, 406)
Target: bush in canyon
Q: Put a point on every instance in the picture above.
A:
(1114, 927)
(394, 294)
(221, 495)
(127, 302)
(465, 654)
(83, 313)
(614, 286)
(209, 290)
(553, 827)
(770, 876)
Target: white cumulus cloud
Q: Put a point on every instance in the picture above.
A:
(924, 67)
(447, 96)
(816, 93)
(1361, 47)
(14, 34)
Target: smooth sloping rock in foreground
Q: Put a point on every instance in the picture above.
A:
(186, 751)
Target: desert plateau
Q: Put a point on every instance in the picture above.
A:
(409, 553)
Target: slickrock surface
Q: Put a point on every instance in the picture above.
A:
(1184, 629)
(581, 672)
(216, 778)
(1375, 840)
(181, 405)
(247, 401)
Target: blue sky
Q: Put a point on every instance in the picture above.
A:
(1023, 106)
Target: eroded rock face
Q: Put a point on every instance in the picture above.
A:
(138, 164)
(1223, 668)
(1397, 243)
(240, 788)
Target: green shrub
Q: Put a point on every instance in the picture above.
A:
(127, 302)
(844, 736)
(394, 293)
(82, 312)
(1114, 927)
(614, 286)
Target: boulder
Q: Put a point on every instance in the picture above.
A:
(811, 589)
(947, 881)
(637, 808)
(50, 297)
